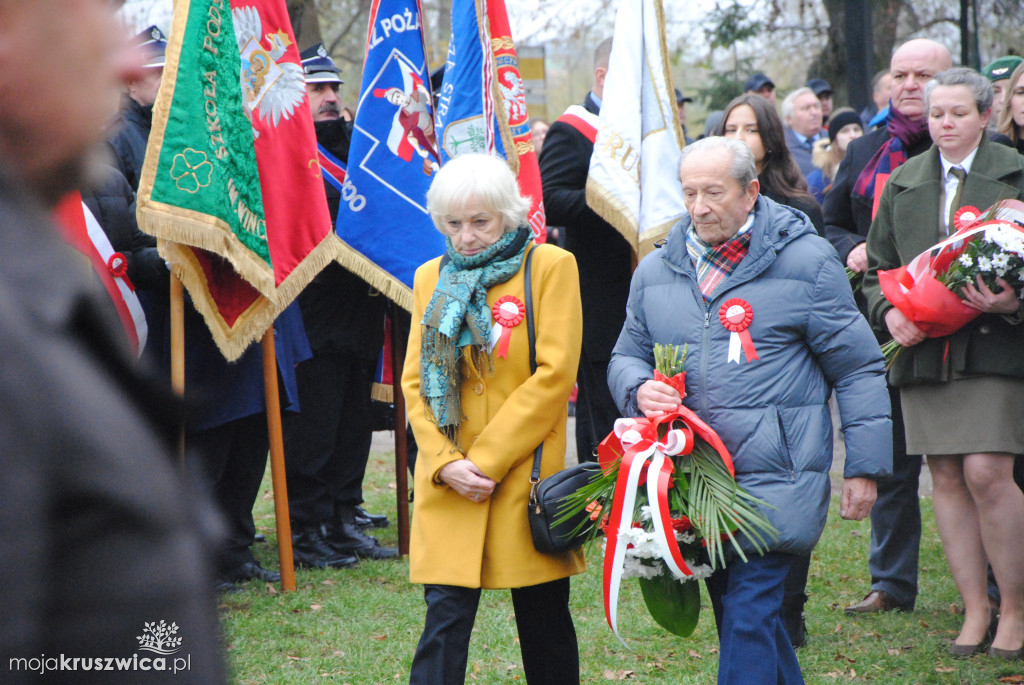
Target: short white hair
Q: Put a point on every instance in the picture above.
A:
(484, 178)
(742, 168)
(789, 103)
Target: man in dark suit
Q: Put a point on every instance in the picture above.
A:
(604, 257)
(100, 539)
(327, 443)
(801, 110)
(849, 209)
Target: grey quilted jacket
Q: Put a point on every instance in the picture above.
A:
(771, 413)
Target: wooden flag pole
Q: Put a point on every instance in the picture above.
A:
(284, 526)
(178, 347)
(401, 454)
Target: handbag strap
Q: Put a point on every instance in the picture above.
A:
(531, 333)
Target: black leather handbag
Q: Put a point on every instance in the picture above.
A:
(547, 496)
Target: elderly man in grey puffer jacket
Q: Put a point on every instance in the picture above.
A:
(765, 308)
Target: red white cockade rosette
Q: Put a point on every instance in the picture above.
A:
(737, 315)
(508, 313)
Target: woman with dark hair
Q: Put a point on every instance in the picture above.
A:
(753, 120)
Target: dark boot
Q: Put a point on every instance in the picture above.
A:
(793, 618)
(310, 549)
(345, 536)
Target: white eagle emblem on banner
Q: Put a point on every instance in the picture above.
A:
(271, 87)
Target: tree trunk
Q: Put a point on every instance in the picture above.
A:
(305, 22)
(832, 62)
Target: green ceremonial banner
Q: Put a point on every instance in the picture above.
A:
(231, 182)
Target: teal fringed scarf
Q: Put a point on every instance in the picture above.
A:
(457, 315)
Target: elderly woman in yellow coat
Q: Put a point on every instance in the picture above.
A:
(478, 413)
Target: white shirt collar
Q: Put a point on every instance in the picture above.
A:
(965, 164)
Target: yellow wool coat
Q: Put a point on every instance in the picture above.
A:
(487, 544)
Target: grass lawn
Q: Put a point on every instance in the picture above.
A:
(361, 625)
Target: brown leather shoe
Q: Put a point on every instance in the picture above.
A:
(876, 601)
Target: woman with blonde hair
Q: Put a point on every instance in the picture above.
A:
(479, 411)
(843, 126)
(1011, 116)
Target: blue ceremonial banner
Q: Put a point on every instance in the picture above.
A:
(465, 108)
(383, 220)
(482, 104)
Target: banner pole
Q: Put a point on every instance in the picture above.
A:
(277, 474)
(178, 348)
(401, 444)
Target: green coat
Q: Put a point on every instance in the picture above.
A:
(907, 225)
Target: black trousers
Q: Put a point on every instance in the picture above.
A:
(547, 637)
(595, 409)
(327, 443)
(234, 458)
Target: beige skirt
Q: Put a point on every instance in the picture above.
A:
(965, 416)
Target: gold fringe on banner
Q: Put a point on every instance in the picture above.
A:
(234, 340)
(389, 286)
(382, 392)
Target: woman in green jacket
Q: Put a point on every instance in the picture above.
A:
(961, 393)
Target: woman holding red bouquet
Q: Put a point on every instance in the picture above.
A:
(961, 393)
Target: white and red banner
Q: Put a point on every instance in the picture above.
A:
(634, 178)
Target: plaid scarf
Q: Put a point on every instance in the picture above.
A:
(903, 134)
(714, 263)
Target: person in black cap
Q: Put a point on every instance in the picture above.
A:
(843, 126)
(323, 81)
(823, 90)
(681, 101)
(130, 138)
(761, 85)
(327, 443)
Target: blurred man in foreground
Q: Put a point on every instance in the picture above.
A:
(100, 549)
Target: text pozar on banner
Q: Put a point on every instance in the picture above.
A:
(634, 179)
(231, 182)
(482, 104)
(383, 220)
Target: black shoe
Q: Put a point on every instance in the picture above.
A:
(311, 550)
(259, 537)
(365, 519)
(347, 538)
(794, 621)
(249, 571)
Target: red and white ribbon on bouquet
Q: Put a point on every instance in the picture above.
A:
(643, 458)
(737, 315)
(646, 460)
(508, 313)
